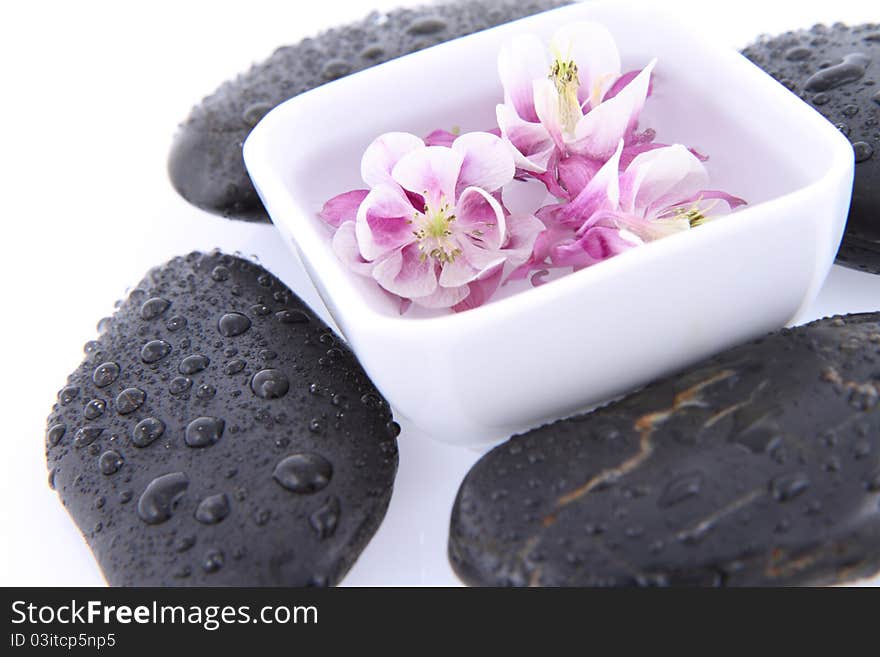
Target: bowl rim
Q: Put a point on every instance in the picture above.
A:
(338, 282)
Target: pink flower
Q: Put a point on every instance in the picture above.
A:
(431, 228)
(661, 192)
(578, 103)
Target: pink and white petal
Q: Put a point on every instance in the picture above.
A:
(522, 234)
(383, 153)
(443, 297)
(597, 244)
(431, 171)
(521, 61)
(486, 161)
(663, 177)
(594, 51)
(648, 230)
(405, 273)
(599, 131)
(440, 137)
(524, 196)
(703, 195)
(345, 247)
(477, 213)
(384, 221)
(342, 208)
(531, 144)
(575, 172)
(480, 290)
(601, 193)
(547, 108)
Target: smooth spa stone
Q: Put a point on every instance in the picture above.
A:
(837, 71)
(206, 165)
(760, 466)
(218, 433)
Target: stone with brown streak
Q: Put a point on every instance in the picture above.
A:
(760, 466)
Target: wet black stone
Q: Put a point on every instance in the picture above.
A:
(159, 482)
(205, 164)
(836, 70)
(718, 475)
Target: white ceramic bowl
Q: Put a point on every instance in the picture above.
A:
(544, 353)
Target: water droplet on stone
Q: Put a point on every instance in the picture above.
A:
(850, 110)
(176, 323)
(213, 509)
(798, 53)
(788, 487)
(125, 496)
(86, 436)
(851, 68)
(206, 391)
(254, 113)
(681, 488)
(154, 351)
(68, 394)
(180, 385)
(105, 374)
(51, 479)
(292, 317)
(129, 400)
(220, 273)
(270, 384)
(305, 472)
(234, 366)
(232, 324)
(863, 151)
(185, 543)
(110, 462)
(325, 518)
(55, 434)
(194, 364)
(213, 561)
(94, 409)
(260, 310)
(147, 431)
(154, 307)
(204, 431)
(315, 425)
(158, 500)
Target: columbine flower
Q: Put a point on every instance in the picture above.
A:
(577, 103)
(431, 228)
(662, 191)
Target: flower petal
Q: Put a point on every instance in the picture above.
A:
(383, 221)
(532, 145)
(524, 196)
(598, 133)
(342, 208)
(486, 161)
(480, 290)
(443, 297)
(440, 137)
(431, 171)
(521, 61)
(601, 193)
(592, 48)
(478, 214)
(405, 273)
(345, 247)
(576, 171)
(595, 245)
(385, 151)
(662, 177)
(547, 108)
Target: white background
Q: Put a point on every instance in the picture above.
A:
(91, 95)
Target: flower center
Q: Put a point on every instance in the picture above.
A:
(564, 75)
(434, 233)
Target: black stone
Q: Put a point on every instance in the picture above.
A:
(228, 487)
(205, 164)
(756, 467)
(837, 71)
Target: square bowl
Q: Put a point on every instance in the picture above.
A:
(476, 377)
